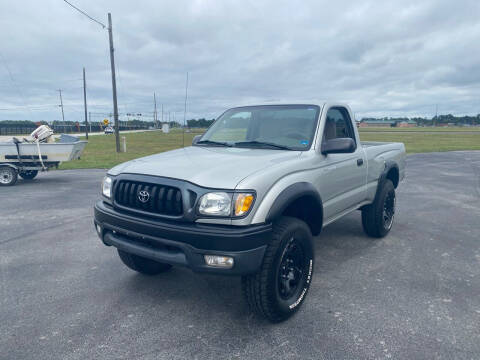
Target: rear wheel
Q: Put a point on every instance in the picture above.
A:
(8, 176)
(28, 174)
(143, 265)
(279, 288)
(377, 218)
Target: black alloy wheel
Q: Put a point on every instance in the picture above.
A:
(389, 210)
(292, 271)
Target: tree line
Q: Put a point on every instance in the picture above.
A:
(436, 120)
(193, 123)
(200, 123)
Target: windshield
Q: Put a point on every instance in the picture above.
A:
(280, 127)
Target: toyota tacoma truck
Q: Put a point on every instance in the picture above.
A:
(248, 197)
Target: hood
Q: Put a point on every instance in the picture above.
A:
(214, 167)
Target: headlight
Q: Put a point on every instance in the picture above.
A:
(107, 187)
(216, 204)
(221, 203)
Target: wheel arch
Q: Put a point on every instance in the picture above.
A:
(300, 200)
(10, 165)
(390, 172)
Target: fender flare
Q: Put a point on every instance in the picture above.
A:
(292, 193)
(389, 165)
(10, 165)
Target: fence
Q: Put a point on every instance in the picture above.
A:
(66, 129)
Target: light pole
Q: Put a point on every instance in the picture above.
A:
(114, 85)
(112, 65)
(85, 103)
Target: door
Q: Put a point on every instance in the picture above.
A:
(343, 176)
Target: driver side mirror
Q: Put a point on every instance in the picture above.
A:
(338, 146)
(195, 139)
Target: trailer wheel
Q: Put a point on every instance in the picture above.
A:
(28, 174)
(8, 176)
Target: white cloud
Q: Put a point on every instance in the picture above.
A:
(384, 58)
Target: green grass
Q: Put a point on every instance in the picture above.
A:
(418, 142)
(100, 150)
(473, 129)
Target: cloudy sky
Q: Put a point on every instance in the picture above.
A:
(384, 58)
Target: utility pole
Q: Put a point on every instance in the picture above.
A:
(114, 85)
(436, 114)
(61, 105)
(185, 112)
(85, 103)
(155, 110)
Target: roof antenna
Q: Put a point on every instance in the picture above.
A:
(185, 112)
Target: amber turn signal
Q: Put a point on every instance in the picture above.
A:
(243, 202)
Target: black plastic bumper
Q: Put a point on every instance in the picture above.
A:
(184, 243)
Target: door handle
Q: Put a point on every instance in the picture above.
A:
(359, 162)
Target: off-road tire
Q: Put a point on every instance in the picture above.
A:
(373, 220)
(143, 265)
(262, 290)
(28, 174)
(8, 176)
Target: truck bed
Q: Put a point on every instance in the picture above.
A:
(367, 144)
(377, 153)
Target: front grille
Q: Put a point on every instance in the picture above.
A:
(158, 199)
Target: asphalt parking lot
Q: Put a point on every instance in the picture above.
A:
(412, 295)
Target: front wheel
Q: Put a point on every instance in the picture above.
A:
(28, 174)
(377, 218)
(143, 265)
(8, 176)
(280, 287)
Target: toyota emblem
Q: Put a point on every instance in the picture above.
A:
(143, 196)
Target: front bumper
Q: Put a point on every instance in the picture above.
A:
(183, 243)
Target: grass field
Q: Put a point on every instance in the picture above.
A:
(100, 151)
(452, 129)
(417, 142)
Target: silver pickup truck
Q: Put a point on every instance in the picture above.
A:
(248, 196)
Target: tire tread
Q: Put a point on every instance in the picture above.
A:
(255, 287)
(372, 220)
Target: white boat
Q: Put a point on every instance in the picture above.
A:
(27, 157)
(65, 150)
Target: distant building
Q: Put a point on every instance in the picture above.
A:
(409, 123)
(370, 122)
(377, 123)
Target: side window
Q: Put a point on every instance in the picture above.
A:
(338, 125)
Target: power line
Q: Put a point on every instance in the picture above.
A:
(112, 66)
(84, 13)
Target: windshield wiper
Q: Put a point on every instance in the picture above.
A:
(211, 142)
(262, 143)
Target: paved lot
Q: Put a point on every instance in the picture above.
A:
(412, 295)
